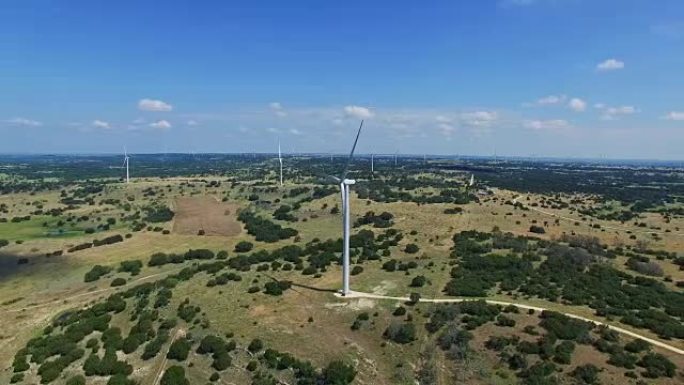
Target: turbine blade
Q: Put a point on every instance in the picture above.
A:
(351, 154)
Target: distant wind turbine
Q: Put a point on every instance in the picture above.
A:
(126, 164)
(280, 160)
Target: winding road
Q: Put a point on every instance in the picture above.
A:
(357, 294)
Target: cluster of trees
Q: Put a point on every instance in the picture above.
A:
(158, 213)
(643, 265)
(264, 230)
(622, 184)
(284, 213)
(96, 243)
(571, 274)
(383, 220)
(160, 259)
(276, 287)
(218, 349)
(397, 189)
(62, 337)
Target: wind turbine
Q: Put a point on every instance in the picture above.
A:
(472, 180)
(345, 184)
(126, 163)
(280, 160)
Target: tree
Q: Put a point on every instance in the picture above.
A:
(118, 282)
(255, 346)
(243, 247)
(657, 365)
(76, 380)
(411, 248)
(179, 349)
(174, 375)
(418, 281)
(338, 373)
(586, 374)
(401, 333)
(414, 298)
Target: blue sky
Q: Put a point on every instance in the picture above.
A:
(560, 78)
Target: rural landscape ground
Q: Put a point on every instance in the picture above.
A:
(205, 270)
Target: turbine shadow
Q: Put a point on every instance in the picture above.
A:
(294, 284)
(314, 288)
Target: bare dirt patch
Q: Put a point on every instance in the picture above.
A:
(206, 213)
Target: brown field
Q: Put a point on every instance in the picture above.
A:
(205, 213)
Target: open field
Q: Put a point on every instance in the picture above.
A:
(207, 214)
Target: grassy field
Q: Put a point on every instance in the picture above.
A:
(308, 317)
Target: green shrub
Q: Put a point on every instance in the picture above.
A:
(179, 349)
(338, 373)
(174, 375)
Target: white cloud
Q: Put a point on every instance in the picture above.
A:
(100, 124)
(277, 109)
(550, 125)
(610, 65)
(599, 106)
(161, 124)
(443, 119)
(153, 105)
(192, 123)
(24, 122)
(480, 118)
(577, 104)
(551, 99)
(612, 113)
(446, 129)
(295, 131)
(675, 115)
(358, 112)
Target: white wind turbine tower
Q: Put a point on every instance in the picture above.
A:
(472, 180)
(126, 164)
(345, 184)
(280, 160)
